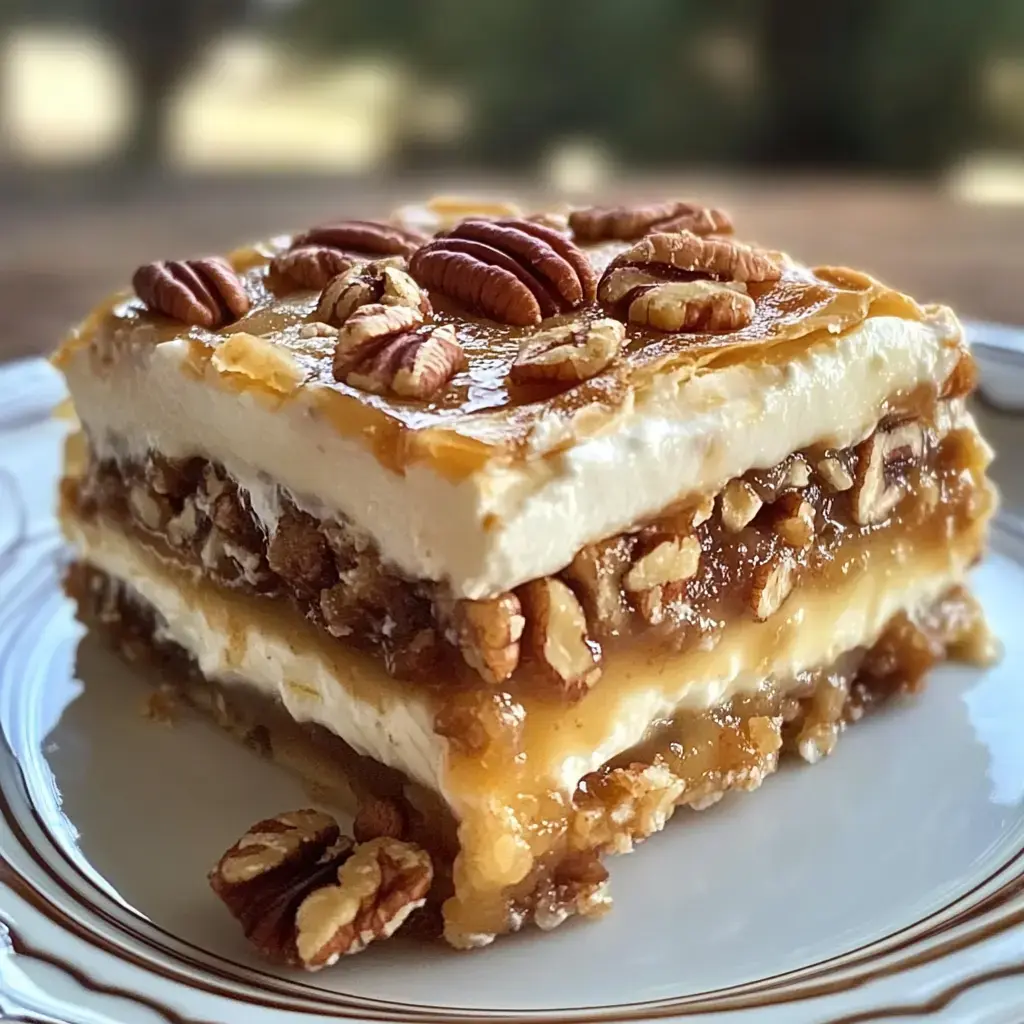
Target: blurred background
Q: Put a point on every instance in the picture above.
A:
(888, 133)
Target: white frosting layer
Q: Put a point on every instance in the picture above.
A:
(350, 695)
(509, 523)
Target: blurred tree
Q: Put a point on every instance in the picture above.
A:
(160, 42)
(537, 72)
(869, 83)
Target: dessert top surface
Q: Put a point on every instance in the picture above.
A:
(461, 333)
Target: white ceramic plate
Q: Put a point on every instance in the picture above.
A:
(887, 882)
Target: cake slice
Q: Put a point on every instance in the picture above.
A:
(529, 529)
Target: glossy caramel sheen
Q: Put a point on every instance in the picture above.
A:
(481, 415)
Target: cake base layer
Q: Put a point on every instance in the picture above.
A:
(692, 760)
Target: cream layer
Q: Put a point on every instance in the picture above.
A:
(515, 520)
(244, 640)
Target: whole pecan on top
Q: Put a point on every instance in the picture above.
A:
(682, 282)
(376, 281)
(513, 271)
(323, 252)
(205, 292)
(380, 350)
(569, 354)
(626, 223)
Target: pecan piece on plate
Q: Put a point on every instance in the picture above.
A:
(569, 354)
(265, 877)
(205, 292)
(513, 271)
(379, 350)
(376, 281)
(556, 635)
(627, 223)
(682, 282)
(377, 888)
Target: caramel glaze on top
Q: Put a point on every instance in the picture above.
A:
(481, 415)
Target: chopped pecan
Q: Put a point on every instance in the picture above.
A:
(794, 521)
(556, 634)
(513, 271)
(740, 503)
(657, 576)
(773, 583)
(597, 571)
(720, 259)
(378, 819)
(367, 238)
(299, 553)
(205, 292)
(151, 510)
(378, 351)
(366, 284)
(569, 354)
(626, 223)
(673, 560)
(579, 886)
(797, 474)
(267, 875)
(488, 635)
(311, 266)
(835, 474)
(378, 887)
(874, 495)
(692, 306)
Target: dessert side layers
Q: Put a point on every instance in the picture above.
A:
(566, 520)
(516, 519)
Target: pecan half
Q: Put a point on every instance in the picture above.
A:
(692, 306)
(265, 877)
(378, 887)
(556, 634)
(379, 351)
(488, 635)
(722, 259)
(626, 223)
(311, 266)
(569, 354)
(513, 271)
(367, 238)
(875, 496)
(376, 282)
(205, 292)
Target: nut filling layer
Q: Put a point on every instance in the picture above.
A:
(692, 760)
(674, 582)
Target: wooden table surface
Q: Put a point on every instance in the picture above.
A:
(60, 255)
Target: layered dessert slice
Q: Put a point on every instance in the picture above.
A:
(529, 530)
